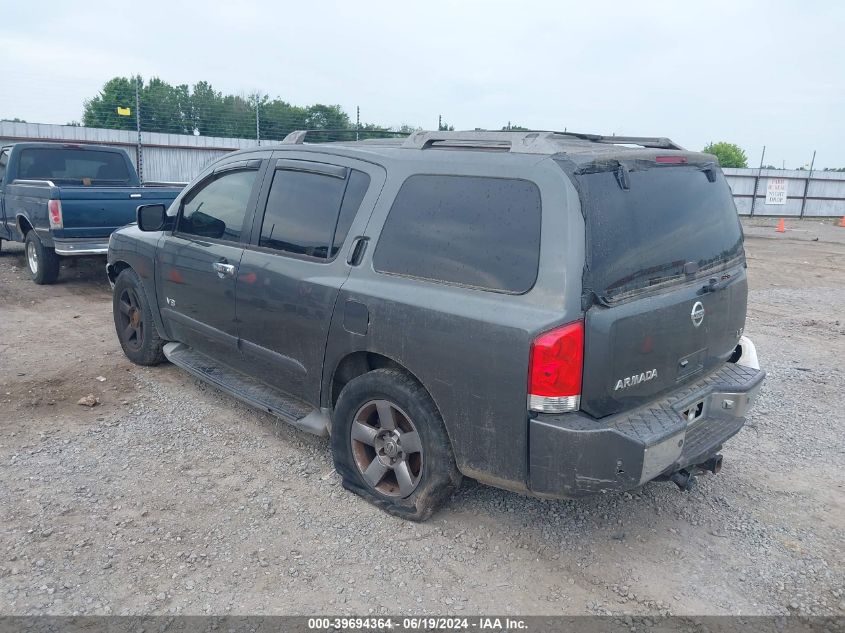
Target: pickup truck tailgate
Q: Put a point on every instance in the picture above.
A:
(97, 211)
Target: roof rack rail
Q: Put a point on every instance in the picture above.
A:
(298, 137)
(522, 142)
(531, 142)
(518, 142)
(657, 142)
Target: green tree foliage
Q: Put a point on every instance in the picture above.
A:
(514, 128)
(200, 109)
(729, 155)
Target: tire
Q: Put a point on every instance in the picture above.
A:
(363, 442)
(43, 263)
(133, 321)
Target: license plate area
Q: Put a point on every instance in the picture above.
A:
(694, 412)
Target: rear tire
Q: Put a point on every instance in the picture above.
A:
(390, 445)
(133, 321)
(43, 263)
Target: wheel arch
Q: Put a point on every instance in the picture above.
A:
(360, 362)
(114, 269)
(23, 225)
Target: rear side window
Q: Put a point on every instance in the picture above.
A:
(73, 166)
(309, 213)
(466, 230)
(217, 210)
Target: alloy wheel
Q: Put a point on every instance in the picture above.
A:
(131, 319)
(387, 448)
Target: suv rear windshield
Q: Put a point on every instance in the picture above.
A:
(647, 234)
(73, 166)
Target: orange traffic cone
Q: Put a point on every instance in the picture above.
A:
(842, 222)
(781, 226)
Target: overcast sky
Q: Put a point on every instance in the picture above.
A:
(767, 73)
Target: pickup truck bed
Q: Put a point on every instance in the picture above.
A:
(66, 200)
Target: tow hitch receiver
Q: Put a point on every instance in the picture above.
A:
(685, 477)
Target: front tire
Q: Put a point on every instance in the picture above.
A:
(43, 263)
(390, 445)
(133, 321)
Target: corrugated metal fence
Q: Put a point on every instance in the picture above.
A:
(179, 158)
(800, 192)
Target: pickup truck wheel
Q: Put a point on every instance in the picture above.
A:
(390, 445)
(43, 262)
(133, 320)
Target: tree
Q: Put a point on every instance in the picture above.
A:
(201, 109)
(15, 120)
(514, 128)
(101, 111)
(729, 155)
(445, 127)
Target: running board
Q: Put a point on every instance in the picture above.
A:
(248, 389)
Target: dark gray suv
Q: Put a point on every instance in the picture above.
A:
(556, 314)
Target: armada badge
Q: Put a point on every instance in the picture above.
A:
(630, 381)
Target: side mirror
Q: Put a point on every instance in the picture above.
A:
(151, 217)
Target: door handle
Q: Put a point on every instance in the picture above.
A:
(223, 270)
(356, 254)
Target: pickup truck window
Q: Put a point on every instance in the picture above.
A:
(310, 213)
(217, 209)
(73, 166)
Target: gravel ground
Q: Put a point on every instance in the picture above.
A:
(169, 497)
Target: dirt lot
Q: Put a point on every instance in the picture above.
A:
(170, 497)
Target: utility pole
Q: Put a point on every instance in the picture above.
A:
(757, 180)
(139, 150)
(257, 121)
(807, 184)
(357, 120)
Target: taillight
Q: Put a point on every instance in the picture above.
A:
(555, 368)
(54, 210)
(671, 160)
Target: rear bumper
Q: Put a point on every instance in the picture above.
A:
(575, 455)
(81, 246)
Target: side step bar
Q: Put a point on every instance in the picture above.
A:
(248, 389)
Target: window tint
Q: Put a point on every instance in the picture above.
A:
(310, 213)
(4, 160)
(217, 210)
(68, 165)
(647, 234)
(359, 182)
(467, 230)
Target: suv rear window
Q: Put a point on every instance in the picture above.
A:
(67, 165)
(644, 236)
(464, 230)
